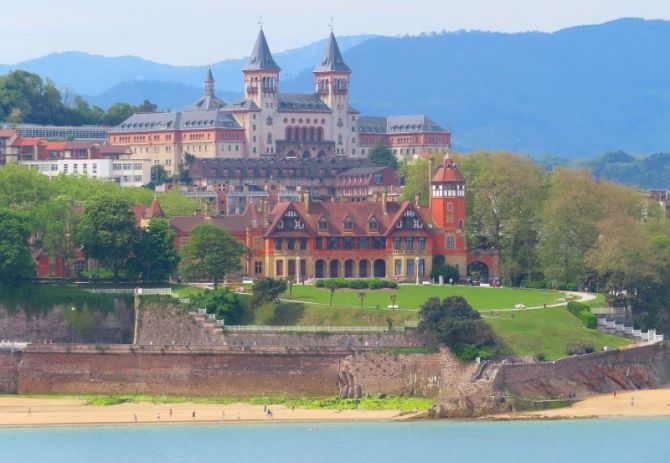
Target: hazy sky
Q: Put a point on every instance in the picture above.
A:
(205, 31)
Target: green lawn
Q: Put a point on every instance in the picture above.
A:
(548, 331)
(410, 297)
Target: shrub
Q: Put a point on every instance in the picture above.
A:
(446, 271)
(222, 302)
(370, 283)
(580, 349)
(536, 284)
(576, 308)
(589, 320)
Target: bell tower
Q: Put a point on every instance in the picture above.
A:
(331, 80)
(447, 197)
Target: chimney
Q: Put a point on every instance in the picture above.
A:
(384, 198)
(308, 202)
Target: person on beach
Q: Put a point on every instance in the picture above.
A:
(170, 413)
(135, 417)
(632, 401)
(30, 411)
(223, 415)
(158, 416)
(238, 415)
(614, 393)
(193, 415)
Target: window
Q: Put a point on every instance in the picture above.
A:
(333, 243)
(323, 224)
(258, 243)
(398, 267)
(303, 244)
(278, 244)
(348, 242)
(280, 268)
(290, 244)
(450, 218)
(378, 179)
(318, 243)
(258, 267)
(396, 243)
(451, 242)
(409, 243)
(378, 243)
(460, 224)
(348, 224)
(422, 267)
(362, 243)
(450, 206)
(137, 178)
(421, 242)
(410, 267)
(373, 224)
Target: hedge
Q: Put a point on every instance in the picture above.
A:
(583, 312)
(589, 320)
(370, 283)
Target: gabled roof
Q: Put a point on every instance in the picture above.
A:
(207, 103)
(397, 124)
(447, 172)
(301, 102)
(252, 217)
(7, 133)
(332, 60)
(261, 57)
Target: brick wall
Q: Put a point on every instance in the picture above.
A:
(9, 372)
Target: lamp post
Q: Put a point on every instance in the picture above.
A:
(416, 267)
(72, 309)
(297, 270)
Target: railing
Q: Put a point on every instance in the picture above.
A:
(309, 329)
(153, 291)
(12, 346)
(110, 290)
(649, 336)
(609, 311)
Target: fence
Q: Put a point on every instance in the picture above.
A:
(609, 311)
(12, 346)
(309, 329)
(649, 336)
(138, 291)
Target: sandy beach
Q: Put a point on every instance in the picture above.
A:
(18, 411)
(644, 403)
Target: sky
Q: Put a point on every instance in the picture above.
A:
(196, 32)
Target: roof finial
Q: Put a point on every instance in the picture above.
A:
(332, 24)
(260, 21)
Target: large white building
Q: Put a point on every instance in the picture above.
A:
(126, 172)
(273, 124)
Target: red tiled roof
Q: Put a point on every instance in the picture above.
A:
(7, 133)
(448, 172)
(54, 145)
(20, 141)
(252, 217)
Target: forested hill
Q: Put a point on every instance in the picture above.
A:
(576, 92)
(644, 172)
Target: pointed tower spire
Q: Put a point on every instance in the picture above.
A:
(209, 83)
(332, 60)
(261, 57)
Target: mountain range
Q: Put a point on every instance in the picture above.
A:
(573, 93)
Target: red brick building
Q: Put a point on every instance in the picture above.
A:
(386, 239)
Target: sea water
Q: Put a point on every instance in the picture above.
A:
(588, 441)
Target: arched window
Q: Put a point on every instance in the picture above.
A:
(348, 224)
(288, 133)
(311, 134)
(323, 224)
(304, 134)
(269, 138)
(373, 224)
(460, 224)
(451, 242)
(319, 134)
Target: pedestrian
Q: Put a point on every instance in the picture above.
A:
(135, 417)
(30, 411)
(158, 416)
(223, 415)
(170, 413)
(632, 401)
(238, 415)
(193, 415)
(265, 408)
(293, 408)
(614, 393)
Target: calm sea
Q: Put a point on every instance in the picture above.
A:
(607, 441)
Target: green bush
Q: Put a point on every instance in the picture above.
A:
(222, 302)
(589, 320)
(576, 308)
(341, 283)
(446, 271)
(536, 284)
(580, 349)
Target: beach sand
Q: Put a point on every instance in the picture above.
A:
(19, 411)
(645, 403)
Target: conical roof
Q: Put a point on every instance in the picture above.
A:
(447, 172)
(210, 76)
(261, 57)
(332, 58)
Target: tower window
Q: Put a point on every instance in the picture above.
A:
(451, 242)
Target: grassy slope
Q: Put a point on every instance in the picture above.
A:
(411, 297)
(549, 331)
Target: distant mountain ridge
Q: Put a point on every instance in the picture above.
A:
(573, 93)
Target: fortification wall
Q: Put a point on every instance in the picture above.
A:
(53, 325)
(9, 372)
(167, 324)
(639, 368)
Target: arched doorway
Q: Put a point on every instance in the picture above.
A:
(364, 269)
(305, 155)
(320, 269)
(291, 154)
(479, 271)
(349, 268)
(380, 268)
(321, 155)
(334, 269)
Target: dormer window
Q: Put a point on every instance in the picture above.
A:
(323, 224)
(348, 224)
(373, 224)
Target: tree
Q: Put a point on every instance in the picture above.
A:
(108, 233)
(147, 107)
(16, 263)
(118, 112)
(332, 287)
(267, 290)
(55, 222)
(222, 302)
(382, 156)
(211, 254)
(456, 324)
(361, 296)
(155, 257)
